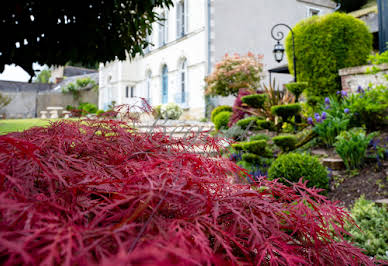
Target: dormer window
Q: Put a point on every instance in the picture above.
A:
(313, 12)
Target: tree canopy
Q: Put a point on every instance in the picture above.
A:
(89, 31)
(351, 5)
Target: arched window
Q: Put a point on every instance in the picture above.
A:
(164, 85)
(183, 81)
(163, 28)
(181, 18)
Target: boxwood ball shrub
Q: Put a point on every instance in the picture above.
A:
(218, 110)
(285, 142)
(254, 100)
(221, 120)
(69, 196)
(293, 166)
(286, 111)
(326, 44)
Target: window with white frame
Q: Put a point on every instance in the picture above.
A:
(149, 40)
(183, 82)
(148, 85)
(313, 12)
(181, 18)
(163, 28)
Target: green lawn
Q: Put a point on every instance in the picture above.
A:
(12, 125)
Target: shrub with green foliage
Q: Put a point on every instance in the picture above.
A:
(369, 107)
(249, 122)
(373, 222)
(255, 100)
(293, 166)
(259, 137)
(171, 111)
(222, 119)
(325, 44)
(285, 142)
(220, 109)
(235, 132)
(296, 88)
(286, 111)
(88, 108)
(264, 124)
(329, 128)
(156, 111)
(251, 158)
(237, 146)
(256, 147)
(351, 146)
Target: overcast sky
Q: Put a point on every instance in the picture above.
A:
(16, 73)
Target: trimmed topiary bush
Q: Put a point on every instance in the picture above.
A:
(324, 45)
(237, 146)
(256, 147)
(255, 100)
(293, 166)
(264, 124)
(221, 120)
(296, 88)
(285, 142)
(249, 122)
(251, 158)
(218, 110)
(259, 137)
(286, 111)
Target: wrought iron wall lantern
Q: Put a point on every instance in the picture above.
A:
(278, 50)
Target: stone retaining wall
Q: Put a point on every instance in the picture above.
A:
(353, 77)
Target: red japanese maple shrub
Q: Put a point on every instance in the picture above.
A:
(239, 111)
(100, 192)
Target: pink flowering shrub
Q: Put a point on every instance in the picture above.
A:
(102, 193)
(233, 73)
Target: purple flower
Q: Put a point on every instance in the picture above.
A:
(346, 110)
(317, 118)
(338, 92)
(324, 115)
(360, 90)
(327, 107)
(344, 93)
(327, 101)
(310, 120)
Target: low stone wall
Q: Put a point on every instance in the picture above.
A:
(49, 98)
(353, 77)
(22, 105)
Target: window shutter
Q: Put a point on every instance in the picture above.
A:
(186, 16)
(178, 20)
(166, 28)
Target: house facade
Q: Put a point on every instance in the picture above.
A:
(193, 37)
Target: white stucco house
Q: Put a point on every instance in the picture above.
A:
(195, 35)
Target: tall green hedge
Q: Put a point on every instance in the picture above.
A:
(325, 44)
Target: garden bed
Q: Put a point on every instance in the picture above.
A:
(371, 182)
